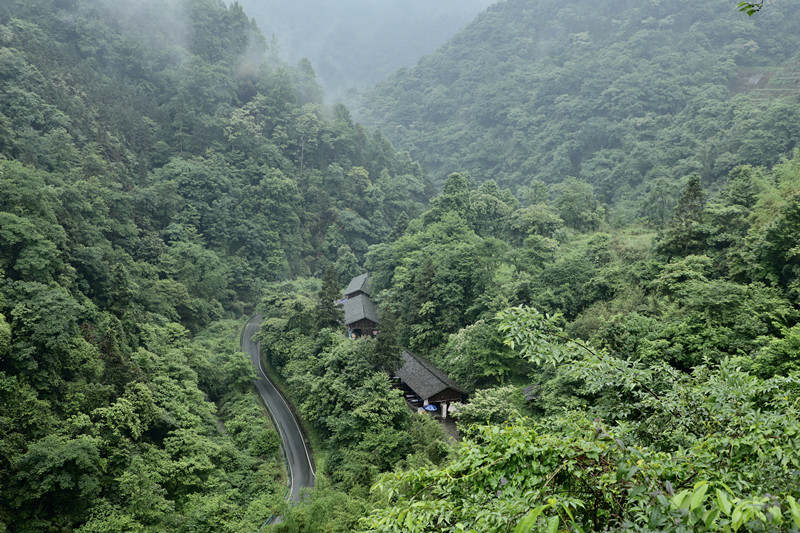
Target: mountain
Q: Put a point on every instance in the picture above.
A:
(630, 365)
(353, 44)
(614, 93)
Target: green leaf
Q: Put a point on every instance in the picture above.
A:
(699, 495)
(775, 513)
(552, 524)
(794, 507)
(710, 517)
(724, 502)
(679, 500)
(526, 524)
(737, 519)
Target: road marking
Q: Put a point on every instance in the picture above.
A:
(257, 354)
(305, 448)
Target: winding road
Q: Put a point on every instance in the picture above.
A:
(295, 450)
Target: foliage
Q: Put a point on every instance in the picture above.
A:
(751, 8)
(341, 389)
(627, 249)
(729, 429)
(159, 166)
(615, 96)
(498, 405)
(327, 314)
(476, 355)
(665, 377)
(325, 509)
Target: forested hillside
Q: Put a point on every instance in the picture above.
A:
(614, 282)
(624, 95)
(626, 323)
(663, 364)
(660, 366)
(157, 165)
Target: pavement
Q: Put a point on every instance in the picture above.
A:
(295, 449)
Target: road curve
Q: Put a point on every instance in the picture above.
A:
(295, 450)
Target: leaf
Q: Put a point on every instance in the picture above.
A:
(699, 495)
(724, 502)
(710, 517)
(775, 514)
(526, 524)
(552, 524)
(737, 519)
(565, 506)
(678, 501)
(794, 507)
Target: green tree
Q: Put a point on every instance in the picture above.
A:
(476, 355)
(686, 233)
(576, 204)
(388, 349)
(346, 265)
(326, 313)
(499, 405)
(5, 336)
(62, 474)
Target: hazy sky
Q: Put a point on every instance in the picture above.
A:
(356, 43)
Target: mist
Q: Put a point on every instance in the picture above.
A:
(354, 44)
(161, 24)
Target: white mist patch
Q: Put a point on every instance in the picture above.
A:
(253, 59)
(162, 24)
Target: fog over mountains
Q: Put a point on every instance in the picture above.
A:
(353, 44)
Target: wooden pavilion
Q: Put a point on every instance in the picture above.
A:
(360, 313)
(430, 384)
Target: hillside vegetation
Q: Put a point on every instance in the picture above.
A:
(663, 364)
(616, 285)
(157, 166)
(623, 95)
(662, 367)
(647, 305)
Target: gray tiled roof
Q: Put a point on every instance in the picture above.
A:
(358, 283)
(359, 307)
(423, 377)
(531, 392)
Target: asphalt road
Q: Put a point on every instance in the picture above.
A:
(295, 450)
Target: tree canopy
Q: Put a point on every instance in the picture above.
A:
(616, 95)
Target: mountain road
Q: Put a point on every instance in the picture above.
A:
(295, 449)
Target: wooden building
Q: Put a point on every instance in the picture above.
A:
(358, 285)
(420, 376)
(360, 313)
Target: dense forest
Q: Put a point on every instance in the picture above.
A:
(158, 166)
(664, 365)
(628, 96)
(629, 255)
(606, 258)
